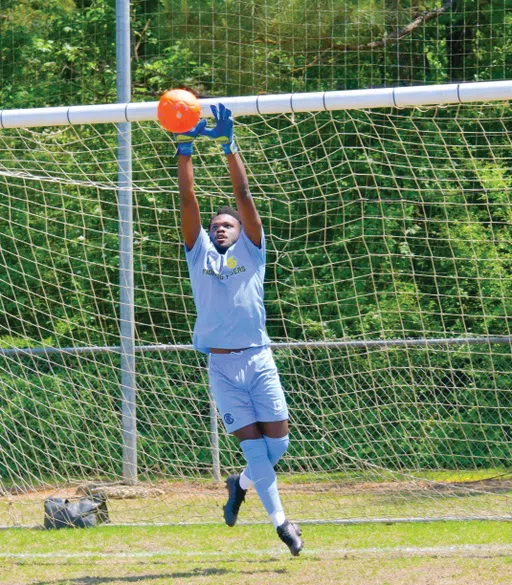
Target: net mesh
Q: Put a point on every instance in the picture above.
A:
(61, 52)
(384, 229)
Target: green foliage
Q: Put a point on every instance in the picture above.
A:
(357, 249)
(67, 49)
(53, 53)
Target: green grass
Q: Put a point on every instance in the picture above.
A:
(382, 475)
(333, 497)
(434, 553)
(475, 552)
(329, 505)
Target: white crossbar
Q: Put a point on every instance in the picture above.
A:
(400, 97)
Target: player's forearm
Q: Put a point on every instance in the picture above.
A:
(238, 177)
(244, 201)
(186, 179)
(189, 207)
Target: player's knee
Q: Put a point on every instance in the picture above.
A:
(255, 451)
(276, 447)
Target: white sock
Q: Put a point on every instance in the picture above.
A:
(278, 518)
(245, 482)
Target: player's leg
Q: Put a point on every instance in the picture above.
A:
(237, 413)
(267, 397)
(236, 494)
(272, 414)
(275, 434)
(254, 448)
(270, 406)
(236, 405)
(259, 466)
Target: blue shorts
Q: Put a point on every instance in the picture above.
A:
(246, 387)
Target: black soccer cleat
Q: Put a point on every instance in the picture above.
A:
(290, 534)
(236, 495)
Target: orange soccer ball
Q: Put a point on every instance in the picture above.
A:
(179, 110)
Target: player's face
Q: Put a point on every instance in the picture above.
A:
(224, 232)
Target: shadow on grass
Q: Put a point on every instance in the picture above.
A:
(198, 572)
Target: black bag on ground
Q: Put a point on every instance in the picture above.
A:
(82, 513)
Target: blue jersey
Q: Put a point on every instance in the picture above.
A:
(228, 293)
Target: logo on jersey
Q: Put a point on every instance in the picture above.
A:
(278, 405)
(229, 419)
(231, 264)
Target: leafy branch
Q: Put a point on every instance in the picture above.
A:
(393, 37)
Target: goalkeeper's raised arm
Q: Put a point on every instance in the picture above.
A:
(223, 133)
(227, 271)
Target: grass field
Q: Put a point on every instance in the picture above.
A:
(475, 494)
(458, 553)
(474, 552)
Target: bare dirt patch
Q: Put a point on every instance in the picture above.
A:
(118, 490)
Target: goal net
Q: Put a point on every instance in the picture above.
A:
(389, 303)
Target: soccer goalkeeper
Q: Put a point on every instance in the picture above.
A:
(227, 269)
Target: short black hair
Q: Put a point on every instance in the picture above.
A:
(226, 210)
